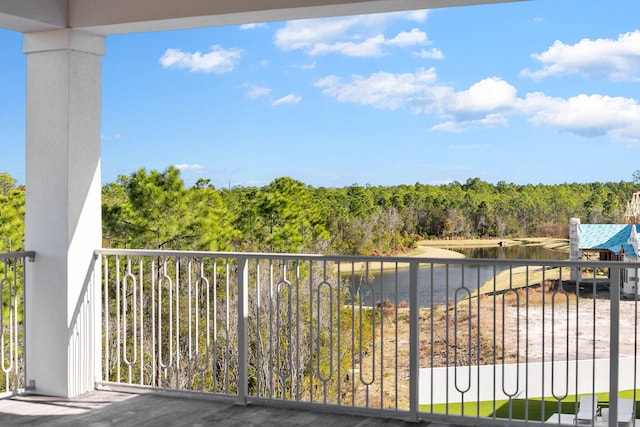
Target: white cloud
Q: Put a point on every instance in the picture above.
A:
(309, 66)
(306, 33)
(416, 15)
(218, 60)
(409, 38)
(586, 115)
(429, 54)
(616, 118)
(383, 90)
(489, 121)
(357, 36)
(289, 99)
(254, 26)
(486, 96)
(605, 59)
(371, 47)
(190, 167)
(383, 20)
(490, 102)
(115, 137)
(255, 91)
(483, 104)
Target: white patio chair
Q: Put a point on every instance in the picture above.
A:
(588, 409)
(626, 411)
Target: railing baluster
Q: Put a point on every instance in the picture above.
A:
(214, 317)
(227, 324)
(340, 374)
(243, 326)
(106, 316)
(478, 338)
(154, 342)
(635, 338)
(414, 341)
(118, 328)
(355, 291)
(189, 324)
(13, 284)
(614, 344)
(543, 376)
(178, 358)
(431, 334)
(141, 316)
(382, 301)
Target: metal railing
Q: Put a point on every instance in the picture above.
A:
(12, 325)
(408, 338)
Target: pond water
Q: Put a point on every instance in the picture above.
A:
(512, 252)
(450, 283)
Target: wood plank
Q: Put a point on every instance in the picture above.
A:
(100, 408)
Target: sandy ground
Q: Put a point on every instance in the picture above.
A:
(580, 331)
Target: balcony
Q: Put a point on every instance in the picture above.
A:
(396, 338)
(193, 323)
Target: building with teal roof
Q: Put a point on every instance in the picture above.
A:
(607, 242)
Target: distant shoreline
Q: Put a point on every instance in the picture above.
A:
(554, 243)
(438, 248)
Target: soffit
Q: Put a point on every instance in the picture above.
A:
(33, 15)
(128, 16)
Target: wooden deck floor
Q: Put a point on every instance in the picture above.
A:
(117, 408)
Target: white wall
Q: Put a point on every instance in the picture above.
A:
(499, 382)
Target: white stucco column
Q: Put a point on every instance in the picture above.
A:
(63, 213)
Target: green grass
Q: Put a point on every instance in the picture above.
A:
(521, 409)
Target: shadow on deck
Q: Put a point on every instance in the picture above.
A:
(106, 408)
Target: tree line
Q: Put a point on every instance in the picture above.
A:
(155, 209)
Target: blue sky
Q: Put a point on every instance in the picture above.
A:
(543, 91)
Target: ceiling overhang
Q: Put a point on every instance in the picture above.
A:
(33, 15)
(107, 17)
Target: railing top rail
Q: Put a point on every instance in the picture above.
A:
(370, 259)
(31, 255)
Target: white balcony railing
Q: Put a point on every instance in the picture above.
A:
(12, 346)
(404, 338)
(400, 337)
